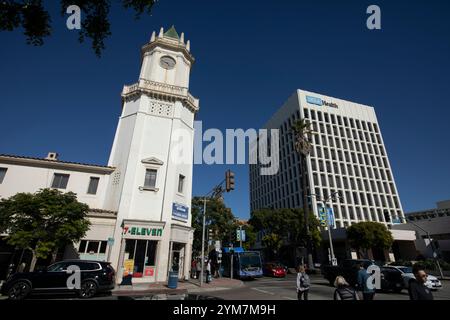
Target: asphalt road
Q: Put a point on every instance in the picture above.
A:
(284, 289)
(271, 289)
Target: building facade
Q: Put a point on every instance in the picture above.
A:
(348, 156)
(434, 225)
(141, 205)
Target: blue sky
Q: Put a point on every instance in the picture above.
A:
(250, 57)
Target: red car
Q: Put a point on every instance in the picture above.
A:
(274, 270)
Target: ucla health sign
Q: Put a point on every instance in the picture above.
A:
(180, 211)
(320, 102)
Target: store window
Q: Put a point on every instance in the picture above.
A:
(140, 257)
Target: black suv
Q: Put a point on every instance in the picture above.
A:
(95, 276)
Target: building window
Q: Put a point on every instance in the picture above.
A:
(150, 178)
(93, 185)
(181, 183)
(60, 181)
(2, 174)
(92, 249)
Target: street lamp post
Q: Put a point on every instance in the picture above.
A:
(324, 203)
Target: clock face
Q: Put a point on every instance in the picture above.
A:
(167, 62)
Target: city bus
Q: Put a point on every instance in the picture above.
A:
(246, 264)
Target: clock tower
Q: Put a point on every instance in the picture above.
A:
(152, 154)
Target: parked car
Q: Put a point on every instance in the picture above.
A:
(348, 269)
(273, 269)
(406, 273)
(391, 280)
(95, 276)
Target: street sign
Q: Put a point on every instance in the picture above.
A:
(110, 241)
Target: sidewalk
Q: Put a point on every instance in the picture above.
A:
(184, 286)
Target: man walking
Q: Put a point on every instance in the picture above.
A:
(417, 289)
(367, 292)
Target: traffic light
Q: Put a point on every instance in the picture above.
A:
(229, 181)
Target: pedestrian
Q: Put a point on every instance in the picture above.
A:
(368, 293)
(303, 283)
(199, 267)
(208, 271)
(343, 290)
(194, 268)
(417, 289)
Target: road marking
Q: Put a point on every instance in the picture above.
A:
(263, 291)
(288, 298)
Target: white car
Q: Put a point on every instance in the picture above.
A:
(432, 283)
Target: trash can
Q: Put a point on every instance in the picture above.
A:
(173, 280)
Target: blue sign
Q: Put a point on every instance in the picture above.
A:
(322, 216)
(180, 211)
(330, 217)
(314, 100)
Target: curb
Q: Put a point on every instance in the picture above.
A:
(147, 292)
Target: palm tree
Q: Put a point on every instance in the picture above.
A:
(302, 133)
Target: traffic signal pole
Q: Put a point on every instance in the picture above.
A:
(216, 192)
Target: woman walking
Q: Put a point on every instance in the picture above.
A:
(343, 290)
(303, 284)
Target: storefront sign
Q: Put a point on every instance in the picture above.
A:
(141, 232)
(320, 102)
(180, 211)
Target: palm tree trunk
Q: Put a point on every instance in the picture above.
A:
(306, 211)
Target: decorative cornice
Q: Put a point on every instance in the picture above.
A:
(153, 160)
(161, 91)
(169, 44)
(100, 213)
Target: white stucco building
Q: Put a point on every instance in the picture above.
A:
(140, 202)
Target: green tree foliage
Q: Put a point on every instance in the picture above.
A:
(218, 218)
(284, 226)
(43, 222)
(368, 234)
(36, 21)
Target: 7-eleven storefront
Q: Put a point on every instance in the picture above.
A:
(150, 249)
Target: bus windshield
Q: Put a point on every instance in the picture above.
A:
(249, 260)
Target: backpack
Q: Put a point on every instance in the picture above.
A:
(305, 282)
(345, 294)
